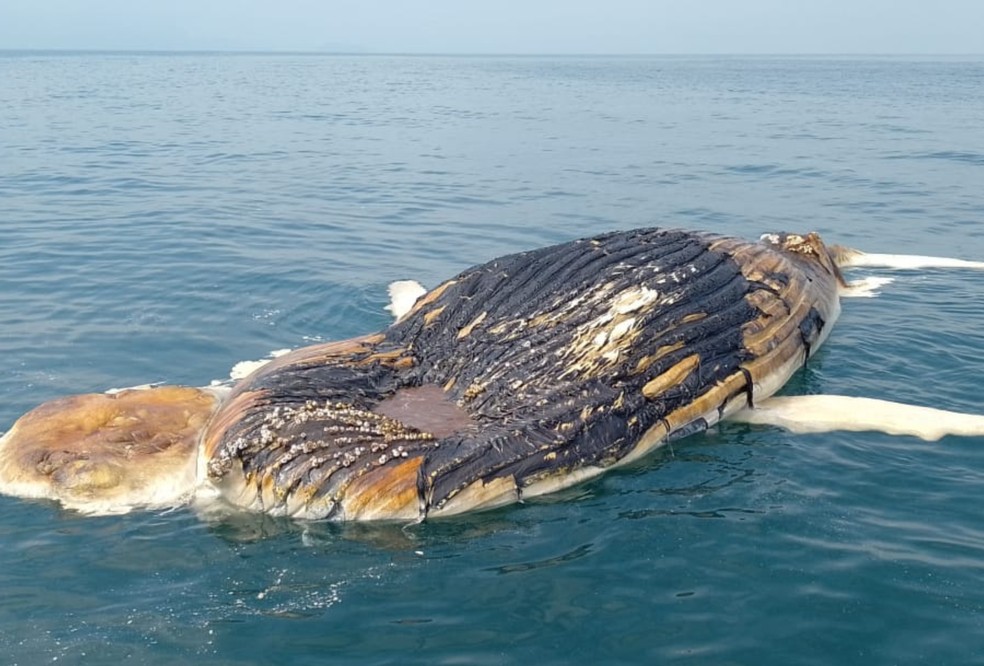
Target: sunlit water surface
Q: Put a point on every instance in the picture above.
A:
(164, 217)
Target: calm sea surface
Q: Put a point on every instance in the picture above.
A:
(165, 216)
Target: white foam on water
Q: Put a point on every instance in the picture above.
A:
(865, 287)
(138, 387)
(243, 369)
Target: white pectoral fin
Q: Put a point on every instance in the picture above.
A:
(846, 257)
(825, 413)
(403, 294)
(849, 257)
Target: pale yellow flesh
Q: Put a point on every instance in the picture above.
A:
(109, 453)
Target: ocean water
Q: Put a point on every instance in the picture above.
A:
(165, 216)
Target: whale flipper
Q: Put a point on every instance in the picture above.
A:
(403, 294)
(826, 413)
(846, 257)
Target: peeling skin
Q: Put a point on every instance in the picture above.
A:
(517, 377)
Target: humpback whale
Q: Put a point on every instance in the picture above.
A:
(515, 378)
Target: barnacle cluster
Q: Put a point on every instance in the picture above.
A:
(296, 443)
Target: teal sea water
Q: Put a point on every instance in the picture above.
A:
(165, 216)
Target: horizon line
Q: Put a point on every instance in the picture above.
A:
(570, 54)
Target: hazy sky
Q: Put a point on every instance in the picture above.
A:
(499, 26)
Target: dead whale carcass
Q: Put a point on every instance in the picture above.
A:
(518, 377)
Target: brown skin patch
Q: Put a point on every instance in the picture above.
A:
(790, 350)
(132, 448)
(426, 408)
(239, 403)
(696, 316)
(646, 361)
(432, 315)
(479, 494)
(716, 398)
(397, 358)
(466, 331)
(672, 377)
(316, 355)
(389, 492)
(429, 298)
